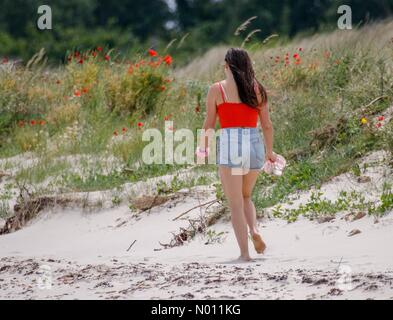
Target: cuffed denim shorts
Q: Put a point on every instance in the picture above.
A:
(240, 148)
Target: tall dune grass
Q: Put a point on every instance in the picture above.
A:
(97, 105)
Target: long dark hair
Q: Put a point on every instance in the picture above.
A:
(243, 72)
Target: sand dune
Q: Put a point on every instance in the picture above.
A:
(69, 253)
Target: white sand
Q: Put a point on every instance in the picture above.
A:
(87, 254)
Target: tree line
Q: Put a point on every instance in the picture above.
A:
(195, 24)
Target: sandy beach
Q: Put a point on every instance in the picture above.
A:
(117, 253)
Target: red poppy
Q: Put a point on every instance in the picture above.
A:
(296, 56)
(168, 60)
(77, 93)
(115, 133)
(378, 125)
(94, 54)
(80, 61)
(162, 88)
(42, 122)
(124, 130)
(300, 49)
(85, 90)
(130, 69)
(153, 53)
(140, 124)
(33, 122)
(107, 57)
(381, 118)
(76, 54)
(168, 80)
(99, 49)
(197, 109)
(298, 61)
(69, 58)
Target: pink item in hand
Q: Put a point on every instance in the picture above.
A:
(201, 153)
(276, 167)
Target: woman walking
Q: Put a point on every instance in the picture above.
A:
(239, 101)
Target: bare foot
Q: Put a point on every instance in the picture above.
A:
(259, 245)
(244, 258)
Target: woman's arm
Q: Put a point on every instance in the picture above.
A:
(211, 116)
(267, 127)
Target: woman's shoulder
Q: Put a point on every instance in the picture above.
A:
(217, 84)
(215, 87)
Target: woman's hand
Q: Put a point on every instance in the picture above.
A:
(202, 152)
(271, 156)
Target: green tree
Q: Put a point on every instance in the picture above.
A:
(144, 18)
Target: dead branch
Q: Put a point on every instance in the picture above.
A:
(196, 207)
(365, 108)
(131, 245)
(146, 203)
(195, 226)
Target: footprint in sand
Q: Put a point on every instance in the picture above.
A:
(330, 230)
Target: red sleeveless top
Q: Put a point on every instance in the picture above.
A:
(232, 114)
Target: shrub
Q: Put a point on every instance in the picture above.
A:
(30, 138)
(139, 87)
(64, 114)
(24, 94)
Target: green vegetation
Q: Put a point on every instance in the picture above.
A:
(6, 195)
(213, 236)
(177, 183)
(318, 206)
(190, 26)
(328, 96)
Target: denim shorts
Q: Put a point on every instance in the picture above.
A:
(240, 148)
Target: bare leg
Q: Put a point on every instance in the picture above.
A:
(249, 209)
(232, 185)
